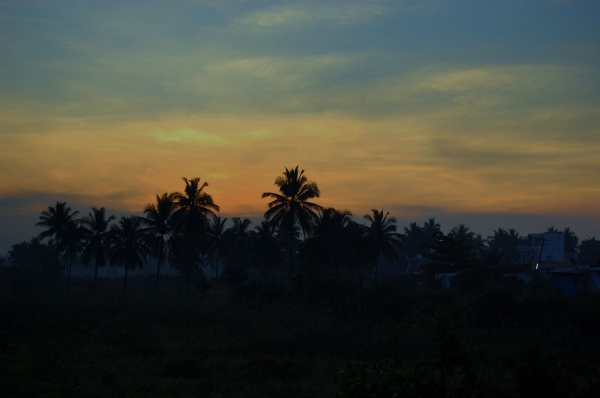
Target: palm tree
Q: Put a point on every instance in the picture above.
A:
(462, 232)
(73, 244)
(56, 219)
(96, 234)
(237, 238)
(382, 236)
(327, 244)
(266, 247)
(193, 206)
(127, 245)
(291, 205)
(571, 240)
(431, 227)
(158, 230)
(479, 245)
(215, 239)
(414, 239)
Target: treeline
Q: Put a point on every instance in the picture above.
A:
(182, 229)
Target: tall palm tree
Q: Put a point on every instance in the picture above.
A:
(382, 236)
(73, 241)
(56, 219)
(291, 205)
(215, 239)
(96, 239)
(266, 248)
(158, 230)
(127, 245)
(194, 206)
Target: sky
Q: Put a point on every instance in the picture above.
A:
(475, 111)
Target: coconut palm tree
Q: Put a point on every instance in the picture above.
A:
(158, 230)
(327, 244)
(291, 205)
(571, 240)
(56, 219)
(266, 248)
(96, 239)
(73, 241)
(382, 236)
(215, 240)
(193, 206)
(462, 232)
(127, 245)
(237, 240)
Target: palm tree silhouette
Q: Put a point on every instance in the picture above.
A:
(571, 240)
(158, 230)
(237, 240)
(56, 219)
(127, 245)
(327, 244)
(266, 247)
(382, 236)
(215, 239)
(291, 205)
(73, 245)
(462, 232)
(193, 206)
(96, 239)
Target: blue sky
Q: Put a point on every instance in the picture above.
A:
(477, 110)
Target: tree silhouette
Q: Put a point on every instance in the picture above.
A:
(589, 249)
(266, 248)
(193, 207)
(215, 239)
(56, 219)
(158, 230)
(327, 244)
(237, 241)
(96, 239)
(382, 237)
(462, 232)
(127, 245)
(571, 240)
(73, 241)
(291, 205)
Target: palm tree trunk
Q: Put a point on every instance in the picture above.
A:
(291, 253)
(96, 277)
(376, 265)
(160, 259)
(125, 281)
(56, 269)
(69, 275)
(217, 274)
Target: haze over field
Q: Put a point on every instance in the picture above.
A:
(481, 112)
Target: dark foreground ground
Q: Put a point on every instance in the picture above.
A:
(323, 338)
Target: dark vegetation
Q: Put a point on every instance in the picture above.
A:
(300, 307)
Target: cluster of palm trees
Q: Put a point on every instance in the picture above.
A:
(184, 230)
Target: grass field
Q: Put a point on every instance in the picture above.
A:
(272, 341)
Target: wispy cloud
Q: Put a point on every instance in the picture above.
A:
(303, 15)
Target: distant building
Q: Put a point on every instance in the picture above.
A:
(547, 250)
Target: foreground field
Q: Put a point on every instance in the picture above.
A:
(323, 338)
